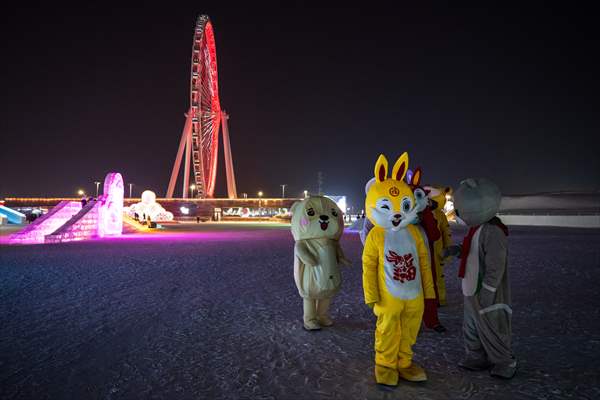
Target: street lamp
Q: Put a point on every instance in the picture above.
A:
(192, 187)
(97, 185)
(130, 189)
(283, 190)
(305, 193)
(80, 192)
(260, 193)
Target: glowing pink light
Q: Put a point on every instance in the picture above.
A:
(110, 215)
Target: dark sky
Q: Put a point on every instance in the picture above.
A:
(505, 93)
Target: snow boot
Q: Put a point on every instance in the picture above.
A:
(414, 373)
(312, 325)
(505, 371)
(474, 364)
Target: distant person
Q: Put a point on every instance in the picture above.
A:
(83, 202)
(197, 219)
(136, 216)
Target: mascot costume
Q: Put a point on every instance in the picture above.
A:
(317, 226)
(429, 227)
(485, 281)
(396, 272)
(430, 233)
(437, 200)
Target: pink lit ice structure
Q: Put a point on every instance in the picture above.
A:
(110, 216)
(47, 223)
(69, 221)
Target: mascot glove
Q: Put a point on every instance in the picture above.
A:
(345, 262)
(486, 298)
(371, 305)
(452, 251)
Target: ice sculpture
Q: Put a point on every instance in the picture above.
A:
(148, 207)
(110, 214)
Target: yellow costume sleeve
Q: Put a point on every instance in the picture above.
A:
(424, 264)
(370, 260)
(445, 230)
(445, 240)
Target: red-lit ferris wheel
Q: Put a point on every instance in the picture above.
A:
(200, 138)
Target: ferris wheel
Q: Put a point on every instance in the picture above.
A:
(200, 137)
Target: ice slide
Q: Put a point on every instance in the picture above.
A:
(47, 223)
(70, 221)
(13, 216)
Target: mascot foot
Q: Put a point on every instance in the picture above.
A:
(505, 371)
(386, 376)
(324, 320)
(440, 328)
(414, 373)
(474, 364)
(312, 325)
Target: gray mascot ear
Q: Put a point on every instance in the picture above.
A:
(470, 182)
(369, 184)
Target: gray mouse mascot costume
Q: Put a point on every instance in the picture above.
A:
(485, 280)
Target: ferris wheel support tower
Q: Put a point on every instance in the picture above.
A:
(200, 137)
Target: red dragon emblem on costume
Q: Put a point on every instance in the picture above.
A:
(404, 269)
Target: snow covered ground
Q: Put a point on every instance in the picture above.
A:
(215, 315)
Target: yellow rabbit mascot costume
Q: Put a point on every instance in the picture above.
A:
(396, 272)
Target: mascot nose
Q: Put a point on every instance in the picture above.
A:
(323, 217)
(397, 216)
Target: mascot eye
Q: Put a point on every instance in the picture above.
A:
(406, 205)
(385, 206)
(334, 213)
(419, 194)
(310, 212)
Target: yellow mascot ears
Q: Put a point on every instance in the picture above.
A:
(381, 168)
(400, 167)
(416, 178)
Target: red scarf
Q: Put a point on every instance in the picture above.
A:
(429, 224)
(464, 252)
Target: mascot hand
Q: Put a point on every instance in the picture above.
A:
(344, 261)
(452, 251)
(309, 261)
(486, 298)
(371, 305)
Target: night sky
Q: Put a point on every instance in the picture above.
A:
(505, 93)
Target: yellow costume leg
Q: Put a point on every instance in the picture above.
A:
(387, 343)
(441, 285)
(410, 323)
